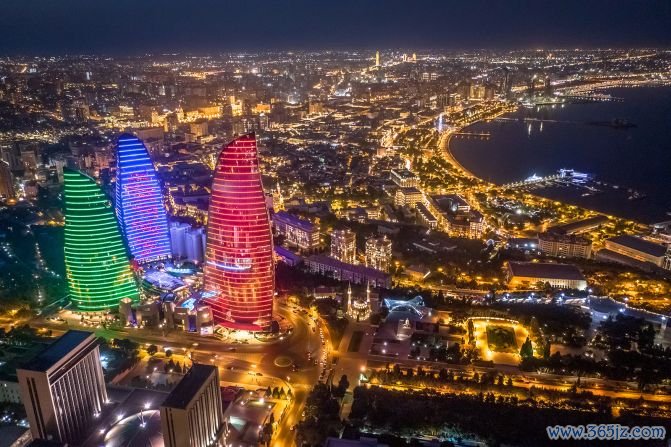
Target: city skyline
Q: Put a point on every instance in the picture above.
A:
(119, 27)
(321, 248)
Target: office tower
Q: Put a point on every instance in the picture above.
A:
(6, 181)
(377, 59)
(139, 202)
(195, 245)
(96, 263)
(239, 269)
(343, 245)
(192, 414)
(378, 253)
(63, 388)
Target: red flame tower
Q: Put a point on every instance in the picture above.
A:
(239, 271)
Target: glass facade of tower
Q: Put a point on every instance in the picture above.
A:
(97, 266)
(239, 270)
(139, 202)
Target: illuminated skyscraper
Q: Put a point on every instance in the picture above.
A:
(192, 414)
(63, 388)
(97, 267)
(139, 202)
(377, 58)
(239, 269)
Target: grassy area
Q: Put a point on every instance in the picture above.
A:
(501, 339)
(355, 341)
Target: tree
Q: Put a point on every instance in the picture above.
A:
(276, 393)
(269, 392)
(471, 330)
(152, 349)
(527, 349)
(341, 389)
(168, 353)
(546, 350)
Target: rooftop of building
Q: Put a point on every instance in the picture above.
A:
(410, 190)
(185, 390)
(546, 270)
(361, 442)
(45, 443)
(57, 350)
(449, 203)
(551, 236)
(404, 173)
(636, 243)
(421, 208)
(335, 263)
(576, 227)
(294, 220)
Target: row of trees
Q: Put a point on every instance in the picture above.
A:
(493, 419)
(322, 413)
(631, 355)
(278, 393)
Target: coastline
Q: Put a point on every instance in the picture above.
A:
(444, 145)
(444, 148)
(648, 204)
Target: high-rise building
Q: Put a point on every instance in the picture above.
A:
(6, 181)
(239, 269)
(63, 388)
(96, 263)
(404, 178)
(378, 253)
(564, 245)
(139, 202)
(195, 245)
(343, 245)
(192, 415)
(377, 59)
(178, 231)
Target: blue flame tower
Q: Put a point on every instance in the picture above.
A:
(139, 202)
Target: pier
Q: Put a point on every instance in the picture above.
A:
(592, 97)
(533, 180)
(475, 135)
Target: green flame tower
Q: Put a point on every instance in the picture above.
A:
(96, 262)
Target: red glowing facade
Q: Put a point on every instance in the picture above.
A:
(239, 271)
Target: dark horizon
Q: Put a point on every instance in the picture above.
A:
(106, 27)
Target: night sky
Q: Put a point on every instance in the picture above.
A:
(45, 27)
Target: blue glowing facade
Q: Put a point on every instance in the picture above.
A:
(139, 202)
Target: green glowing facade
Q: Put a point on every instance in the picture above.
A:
(96, 262)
